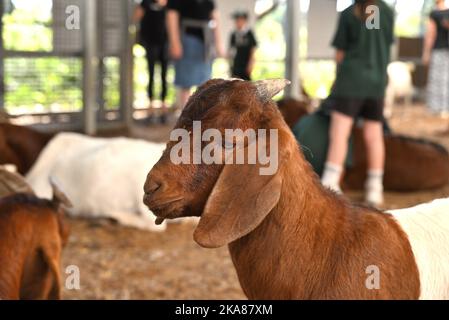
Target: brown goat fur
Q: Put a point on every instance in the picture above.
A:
(406, 164)
(404, 155)
(289, 238)
(4, 117)
(32, 235)
(293, 110)
(21, 145)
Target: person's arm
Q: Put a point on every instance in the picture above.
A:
(339, 56)
(429, 40)
(174, 35)
(139, 12)
(252, 61)
(231, 49)
(217, 34)
(252, 55)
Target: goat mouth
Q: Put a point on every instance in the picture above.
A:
(154, 204)
(163, 210)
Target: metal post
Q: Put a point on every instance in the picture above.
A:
(90, 67)
(2, 59)
(293, 15)
(126, 66)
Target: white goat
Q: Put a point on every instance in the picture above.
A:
(102, 177)
(427, 228)
(400, 85)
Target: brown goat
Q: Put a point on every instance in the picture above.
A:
(32, 235)
(4, 117)
(289, 238)
(293, 110)
(404, 155)
(21, 145)
(406, 164)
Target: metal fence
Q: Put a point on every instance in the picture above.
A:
(69, 61)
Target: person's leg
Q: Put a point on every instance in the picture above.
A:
(339, 132)
(375, 150)
(164, 68)
(151, 61)
(183, 95)
(373, 135)
(372, 112)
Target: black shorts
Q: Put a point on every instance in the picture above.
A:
(366, 108)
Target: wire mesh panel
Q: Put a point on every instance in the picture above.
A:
(67, 31)
(111, 83)
(44, 60)
(112, 22)
(111, 25)
(43, 85)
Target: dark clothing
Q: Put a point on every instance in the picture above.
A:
(200, 10)
(442, 39)
(153, 37)
(242, 44)
(368, 108)
(154, 55)
(363, 71)
(152, 26)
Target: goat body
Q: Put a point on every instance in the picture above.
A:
(32, 235)
(315, 245)
(288, 236)
(21, 146)
(101, 176)
(404, 155)
(400, 85)
(427, 228)
(4, 117)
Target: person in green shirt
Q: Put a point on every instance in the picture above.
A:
(362, 42)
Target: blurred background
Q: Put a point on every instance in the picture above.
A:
(43, 64)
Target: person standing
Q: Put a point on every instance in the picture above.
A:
(362, 56)
(243, 45)
(436, 55)
(194, 38)
(153, 37)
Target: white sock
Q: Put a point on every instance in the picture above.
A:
(375, 180)
(374, 187)
(331, 176)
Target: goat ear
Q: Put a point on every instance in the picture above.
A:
(239, 202)
(59, 197)
(11, 183)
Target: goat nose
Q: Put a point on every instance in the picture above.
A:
(151, 186)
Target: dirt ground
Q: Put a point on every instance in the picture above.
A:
(122, 263)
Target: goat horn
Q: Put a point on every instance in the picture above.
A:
(267, 89)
